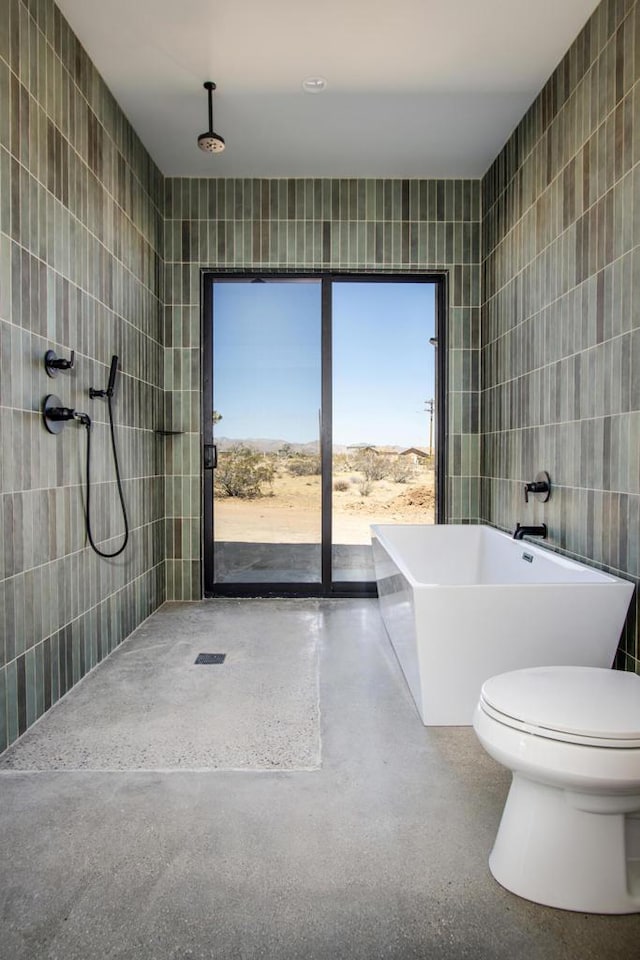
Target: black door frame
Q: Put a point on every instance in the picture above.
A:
(325, 588)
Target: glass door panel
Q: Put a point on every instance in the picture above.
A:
(383, 415)
(290, 494)
(266, 428)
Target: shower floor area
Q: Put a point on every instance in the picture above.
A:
(283, 805)
(162, 710)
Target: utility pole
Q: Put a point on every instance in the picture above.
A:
(428, 406)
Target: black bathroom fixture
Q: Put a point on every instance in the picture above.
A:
(53, 363)
(108, 395)
(56, 415)
(538, 530)
(211, 141)
(540, 488)
(111, 385)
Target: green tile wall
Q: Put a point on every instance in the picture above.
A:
(359, 225)
(561, 307)
(80, 268)
(100, 254)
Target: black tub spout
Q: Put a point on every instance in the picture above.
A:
(524, 531)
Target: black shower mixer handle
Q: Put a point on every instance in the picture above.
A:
(535, 487)
(540, 486)
(53, 363)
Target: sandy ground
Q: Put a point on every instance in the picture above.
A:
(290, 513)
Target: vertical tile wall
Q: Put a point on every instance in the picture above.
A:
(359, 225)
(80, 268)
(561, 311)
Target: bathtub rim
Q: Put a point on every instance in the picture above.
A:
(608, 579)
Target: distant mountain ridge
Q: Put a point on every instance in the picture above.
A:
(265, 445)
(310, 449)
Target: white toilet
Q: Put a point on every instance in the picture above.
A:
(570, 831)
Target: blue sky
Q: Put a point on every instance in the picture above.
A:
(267, 361)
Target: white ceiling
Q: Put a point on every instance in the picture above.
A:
(415, 88)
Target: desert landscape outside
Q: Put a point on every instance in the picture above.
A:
(284, 505)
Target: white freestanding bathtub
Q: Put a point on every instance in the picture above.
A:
(463, 603)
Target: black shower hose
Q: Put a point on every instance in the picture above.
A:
(101, 553)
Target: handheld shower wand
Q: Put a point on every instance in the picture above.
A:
(108, 395)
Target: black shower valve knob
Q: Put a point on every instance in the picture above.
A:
(53, 363)
(60, 413)
(56, 415)
(541, 486)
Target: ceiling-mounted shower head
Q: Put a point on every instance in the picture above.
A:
(211, 141)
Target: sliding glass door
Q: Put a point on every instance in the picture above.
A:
(383, 375)
(266, 428)
(318, 420)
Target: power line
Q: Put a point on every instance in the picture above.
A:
(428, 406)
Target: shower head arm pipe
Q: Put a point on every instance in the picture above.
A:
(210, 141)
(210, 87)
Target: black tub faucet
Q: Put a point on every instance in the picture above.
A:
(540, 530)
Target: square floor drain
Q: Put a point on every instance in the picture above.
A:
(210, 658)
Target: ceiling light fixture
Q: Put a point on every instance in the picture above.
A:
(211, 141)
(314, 84)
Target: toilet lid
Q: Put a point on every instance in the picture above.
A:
(569, 703)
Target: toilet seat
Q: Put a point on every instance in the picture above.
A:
(589, 706)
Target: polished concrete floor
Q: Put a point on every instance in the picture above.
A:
(161, 710)
(380, 852)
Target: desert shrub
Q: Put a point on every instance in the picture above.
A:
(304, 466)
(371, 465)
(365, 487)
(242, 472)
(401, 470)
(340, 486)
